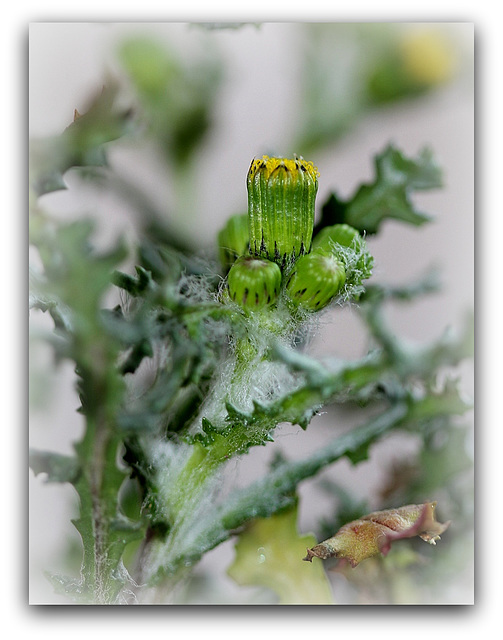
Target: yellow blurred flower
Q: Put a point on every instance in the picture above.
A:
(428, 56)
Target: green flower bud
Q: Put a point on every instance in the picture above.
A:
(315, 280)
(233, 240)
(254, 283)
(348, 247)
(281, 199)
(338, 233)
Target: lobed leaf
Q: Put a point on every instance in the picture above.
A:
(276, 490)
(80, 145)
(388, 196)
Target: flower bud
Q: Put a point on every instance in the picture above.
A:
(281, 199)
(254, 283)
(315, 280)
(233, 239)
(341, 234)
(348, 247)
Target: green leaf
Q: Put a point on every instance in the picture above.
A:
(388, 196)
(276, 491)
(104, 529)
(177, 99)
(80, 145)
(58, 467)
(75, 276)
(267, 555)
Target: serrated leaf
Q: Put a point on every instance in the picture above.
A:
(81, 144)
(276, 490)
(393, 167)
(388, 196)
(75, 277)
(207, 426)
(267, 555)
(236, 416)
(104, 529)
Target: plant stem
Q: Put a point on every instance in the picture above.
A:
(104, 532)
(99, 480)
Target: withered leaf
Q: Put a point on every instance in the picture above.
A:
(373, 534)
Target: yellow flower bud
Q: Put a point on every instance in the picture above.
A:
(281, 200)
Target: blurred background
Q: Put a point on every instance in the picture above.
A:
(337, 94)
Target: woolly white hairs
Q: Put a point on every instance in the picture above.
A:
(195, 287)
(357, 264)
(244, 376)
(192, 514)
(255, 377)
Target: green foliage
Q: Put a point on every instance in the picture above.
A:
(388, 196)
(80, 145)
(177, 99)
(175, 379)
(266, 555)
(71, 267)
(57, 467)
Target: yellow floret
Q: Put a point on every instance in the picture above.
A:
(268, 165)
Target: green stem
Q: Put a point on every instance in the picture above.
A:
(192, 485)
(103, 530)
(277, 490)
(98, 488)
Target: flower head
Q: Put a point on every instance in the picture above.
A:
(427, 56)
(281, 200)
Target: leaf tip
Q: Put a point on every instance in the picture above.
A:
(309, 556)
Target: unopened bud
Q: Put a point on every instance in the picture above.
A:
(233, 240)
(341, 234)
(281, 201)
(254, 283)
(315, 281)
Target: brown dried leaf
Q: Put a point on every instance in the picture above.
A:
(373, 534)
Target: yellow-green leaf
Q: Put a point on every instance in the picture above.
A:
(267, 555)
